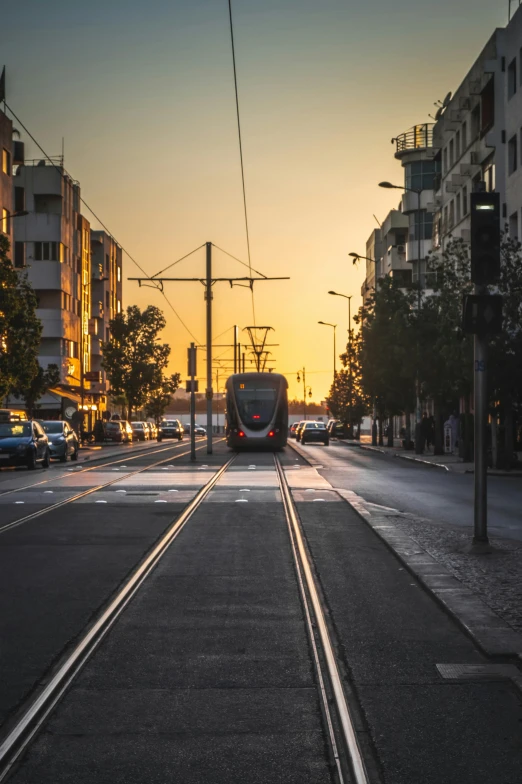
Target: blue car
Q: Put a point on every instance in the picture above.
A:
(23, 443)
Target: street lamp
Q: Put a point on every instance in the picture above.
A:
(334, 326)
(418, 418)
(349, 298)
(357, 256)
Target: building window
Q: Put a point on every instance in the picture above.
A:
(107, 299)
(19, 255)
(426, 225)
(6, 222)
(420, 176)
(512, 155)
(451, 218)
(19, 199)
(457, 208)
(451, 153)
(6, 161)
(464, 200)
(489, 177)
(464, 136)
(457, 145)
(119, 306)
(49, 251)
(513, 225)
(445, 160)
(487, 106)
(512, 78)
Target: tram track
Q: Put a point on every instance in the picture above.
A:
(339, 724)
(78, 469)
(91, 490)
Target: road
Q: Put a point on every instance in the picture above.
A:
(208, 673)
(411, 487)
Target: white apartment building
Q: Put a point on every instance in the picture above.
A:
(386, 252)
(106, 302)
(471, 137)
(55, 239)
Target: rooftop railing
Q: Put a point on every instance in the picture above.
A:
(418, 137)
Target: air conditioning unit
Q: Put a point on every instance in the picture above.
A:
(401, 248)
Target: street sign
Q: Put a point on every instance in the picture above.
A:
(92, 375)
(482, 314)
(485, 237)
(189, 383)
(192, 361)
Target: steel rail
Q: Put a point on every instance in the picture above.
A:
(97, 488)
(42, 704)
(90, 467)
(349, 736)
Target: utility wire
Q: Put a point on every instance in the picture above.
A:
(241, 150)
(177, 262)
(241, 262)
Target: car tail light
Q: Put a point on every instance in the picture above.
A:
(241, 434)
(271, 434)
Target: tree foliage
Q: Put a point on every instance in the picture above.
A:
(160, 398)
(133, 358)
(44, 380)
(20, 328)
(347, 399)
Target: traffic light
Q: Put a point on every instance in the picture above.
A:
(485, 238)
(482, 314)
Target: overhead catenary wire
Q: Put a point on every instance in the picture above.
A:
(241, 150)
(89, 208)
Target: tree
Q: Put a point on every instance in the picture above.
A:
(389, 349)
(160, 398)
(20, 328)
(39, 385)
(133, 358)
(347, 400)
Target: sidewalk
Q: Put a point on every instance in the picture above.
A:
(445, 462)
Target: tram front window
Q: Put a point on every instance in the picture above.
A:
(256, 402)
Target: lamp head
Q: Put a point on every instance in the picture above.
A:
(387, 185)
(333, 292)
(354, 255)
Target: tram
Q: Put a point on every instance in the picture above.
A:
(256, 411)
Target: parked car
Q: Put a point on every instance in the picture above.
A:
(128, 435)
(292, 429)
(153, 429)
(23, 443)
(114, 431)
(299, 428)
(315, 431)
(170, 428)
(63, 441)
(140, 431)
(12, 415)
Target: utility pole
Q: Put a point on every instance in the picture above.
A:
(482, 316)
(236, 348)
(192, 372)
(208, 298)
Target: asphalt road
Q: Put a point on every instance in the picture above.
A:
(422, 490)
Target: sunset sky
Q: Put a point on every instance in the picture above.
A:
(143, 94)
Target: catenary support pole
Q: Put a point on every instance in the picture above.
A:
(480, 346)
(193, 404)
(419, 436)
(236, 349)
(208, 297)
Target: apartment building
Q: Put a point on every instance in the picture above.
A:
(470, 135)
(512, 46)
(6, 177)
(418, 154)
(55, 242)
(386, 253)
(106, 302)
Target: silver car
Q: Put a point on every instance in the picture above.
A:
(63, 441)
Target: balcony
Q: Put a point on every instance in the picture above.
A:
(420, 137)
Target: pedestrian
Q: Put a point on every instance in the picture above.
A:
(425, 430)
(454, 424)
(430, 438)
